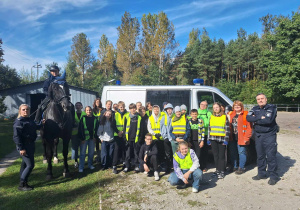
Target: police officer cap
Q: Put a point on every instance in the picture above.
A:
(54, 68)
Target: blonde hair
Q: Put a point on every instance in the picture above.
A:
(221, 110)
(19, 113)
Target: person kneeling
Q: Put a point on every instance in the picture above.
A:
(147, 156)
(186, 167)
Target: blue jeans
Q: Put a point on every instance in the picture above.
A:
(237, 151)
(107, 153)
(27, 161)
(91, 147)
(75, 144)
(196, 177)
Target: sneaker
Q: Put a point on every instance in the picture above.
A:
(257, 177)
(115, 170)
(204, 170)
(180, 187)
(80, 170)
(125, 170)
(92, 167)
(76, 165)
(156, 176)
(194, 190)
(136, 169)
(240, 171)
(221, 175)
(145, 172)
(216, 173)
(28, 186)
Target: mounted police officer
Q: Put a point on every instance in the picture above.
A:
(265, 130)
(53, 77)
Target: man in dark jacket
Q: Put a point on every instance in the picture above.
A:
(265, 130)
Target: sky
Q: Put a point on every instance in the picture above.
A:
(42, 30)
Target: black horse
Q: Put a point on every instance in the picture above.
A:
(58, 124)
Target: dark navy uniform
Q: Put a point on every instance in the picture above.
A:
(265, 138)
(24, 136)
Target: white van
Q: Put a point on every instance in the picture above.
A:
(191, 96)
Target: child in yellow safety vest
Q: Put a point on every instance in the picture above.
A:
(218, 137)
(180, 129)
(132, 123)
(74, 138)
(87, 133)
(186, 167)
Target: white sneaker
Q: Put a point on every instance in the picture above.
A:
(145, 172)
(156, 175)
(92, 167)
(80, 170)
(125, 170)
(194, 190)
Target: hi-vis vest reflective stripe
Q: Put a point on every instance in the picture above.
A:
(217, 125)
(148, 113)
(244, 122)
(120, 121)
(185, 163)
(155, 126)
(97, 115)
(128, 127)
(75, 130)
(179, 127)
(86, 132)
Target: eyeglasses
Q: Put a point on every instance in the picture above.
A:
(24, 109)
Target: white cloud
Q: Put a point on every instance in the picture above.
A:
(34, 10)
(22, 60)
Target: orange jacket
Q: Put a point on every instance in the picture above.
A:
(244, 128)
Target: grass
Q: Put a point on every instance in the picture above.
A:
(7, 144)
(81, 191)
(161, 192)
(195, 203)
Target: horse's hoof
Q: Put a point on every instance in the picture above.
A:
(49, 177)
(66, 174)
(55, 160)
(44, 161)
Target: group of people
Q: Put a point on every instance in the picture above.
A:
(147, 139)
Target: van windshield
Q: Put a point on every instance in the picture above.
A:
(175, 97)
(211, 98)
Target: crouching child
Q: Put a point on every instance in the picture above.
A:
(186, 168)
(148, 157)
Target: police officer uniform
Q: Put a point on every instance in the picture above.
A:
(265, 129)
(24, 136)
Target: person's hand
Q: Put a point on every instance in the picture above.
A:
(120, 134)
(157, 136)
(179, 140)
(145, 158)
(263, 117)
(101, 140)
(43, 121)
(146, 168)
(186, 175)
(23, 152)
(201, 144)
(247, 142)
(185, 181)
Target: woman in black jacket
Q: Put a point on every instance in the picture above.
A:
(24, 136)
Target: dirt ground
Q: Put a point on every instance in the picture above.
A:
(136, 191)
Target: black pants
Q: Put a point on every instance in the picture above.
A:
(197, 149)
(27, 161)
(266, 148)
(151, 163)
(218, 150)
(160, 150)
(120, 150)
(168, 153)
(131, 152)
(204, 155)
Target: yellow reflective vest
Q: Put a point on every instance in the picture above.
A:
(128, 127)
(155, 126)
(120, 121)
(97, 115)
(77, 120)
(217, 125)
(179, 127)
(185, 163)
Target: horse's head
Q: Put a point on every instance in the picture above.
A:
(58, 95)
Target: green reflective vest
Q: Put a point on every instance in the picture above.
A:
(185, 163)
(86, 132)
(128, 127)
(77, 120)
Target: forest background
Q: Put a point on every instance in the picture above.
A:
(147, 53)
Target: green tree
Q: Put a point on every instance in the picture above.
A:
(81, 53)
(2, 105)
(1, 51)
(8, 77)
(72, 73)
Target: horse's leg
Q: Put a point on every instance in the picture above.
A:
(66, 141)
(49, 152)
(45, 152)
(56, 141)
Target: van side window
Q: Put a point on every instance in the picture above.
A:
(175, 97)
(205, 96)
(220, 99)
